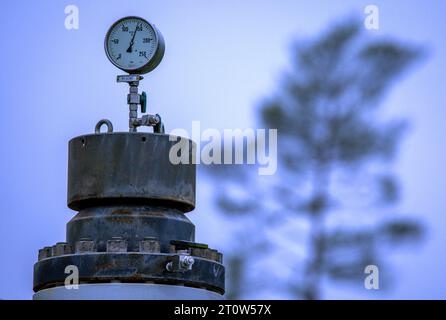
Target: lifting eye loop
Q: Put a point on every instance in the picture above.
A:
(97, 128)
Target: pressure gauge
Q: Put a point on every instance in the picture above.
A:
(134, 45)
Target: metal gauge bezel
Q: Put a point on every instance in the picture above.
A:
(154, 60)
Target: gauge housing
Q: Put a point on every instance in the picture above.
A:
(154, 60)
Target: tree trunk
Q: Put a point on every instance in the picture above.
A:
(314, 266)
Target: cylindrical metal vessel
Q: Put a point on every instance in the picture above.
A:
(130, 238)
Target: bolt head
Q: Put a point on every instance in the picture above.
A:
(117, 244)
(85, 245)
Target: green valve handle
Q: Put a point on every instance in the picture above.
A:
(143, 102)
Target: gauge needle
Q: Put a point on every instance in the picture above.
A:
(130, 49)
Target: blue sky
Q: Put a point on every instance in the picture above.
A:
(221, 58)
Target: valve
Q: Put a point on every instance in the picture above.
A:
(133, 100)
(143, 102)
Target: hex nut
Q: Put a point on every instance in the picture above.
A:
(219, 257)
(85, 245)
(133, 98)
(214, 255)
(209, 254)
(60, 249)
(45, 252)
(117, 244)
(199, 252)
(150, 245)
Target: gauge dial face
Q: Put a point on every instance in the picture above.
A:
(132, 43)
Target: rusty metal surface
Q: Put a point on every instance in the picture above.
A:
(134, 223)
(128, 267)
(124, 168)
(131, 226)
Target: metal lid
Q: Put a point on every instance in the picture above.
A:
(114, 168)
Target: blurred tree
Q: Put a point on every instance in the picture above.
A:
(333, 150)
